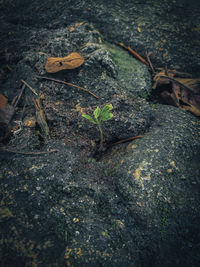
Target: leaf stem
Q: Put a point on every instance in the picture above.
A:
(101, 137)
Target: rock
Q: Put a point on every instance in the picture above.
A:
(157, 177)
(169, 30)
(108, 71)
(136, 204)
(130, 72)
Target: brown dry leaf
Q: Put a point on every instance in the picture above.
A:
(72, 61)
(3, 101)
(6, 110)
(177, 89)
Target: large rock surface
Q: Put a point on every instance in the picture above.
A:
(135, 204)
(169, 30)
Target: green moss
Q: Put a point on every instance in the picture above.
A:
(124, 62)
(132, 74)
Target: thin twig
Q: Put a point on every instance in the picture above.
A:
(70, 84)
(16, 102)
(23, 111)
(19, 96)
(31, 88)
(126, 140)
(150, 64)
(27, 153)
(135, 54)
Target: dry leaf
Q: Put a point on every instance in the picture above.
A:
(6, 110)
(72, 61)
(3, 101)
(177, 89)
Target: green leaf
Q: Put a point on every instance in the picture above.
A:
(97, 112)
(107, 108)
(106, 116)
(88, 117)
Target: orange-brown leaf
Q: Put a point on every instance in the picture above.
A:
(72, 61)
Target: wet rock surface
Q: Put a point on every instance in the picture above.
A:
(136, 203)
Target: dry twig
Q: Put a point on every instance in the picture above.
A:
(26, 152)
(70, 84)
(135, 54)
(31, 88)
(127, 140)
(150, 64)
(17, 99)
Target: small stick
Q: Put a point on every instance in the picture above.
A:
(23, 111)
(27, 153)
(31, 88)
(127, 140)
(136, 55)
(150, 64)
(16, 102)
(70, 84)
(19, 96)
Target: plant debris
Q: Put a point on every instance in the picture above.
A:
(72, 61)
(135, 54)
(40, 117)
(70, 84)
(178, 89)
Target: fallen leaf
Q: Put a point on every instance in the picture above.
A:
(178, 89)
(6, 110)
(3, 101)
(72, 61)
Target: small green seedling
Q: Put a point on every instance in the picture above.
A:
(100, 115)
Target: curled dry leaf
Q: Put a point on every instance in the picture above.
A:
(178, 89)
(72, 61)
(6, 110)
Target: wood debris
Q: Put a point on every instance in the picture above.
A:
(30, 87)
(135, 54)
(41, 120)
(70, 84)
